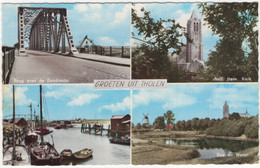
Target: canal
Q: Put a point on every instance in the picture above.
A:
(210, 148)
(104, 152)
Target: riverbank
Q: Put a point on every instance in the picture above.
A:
(150, 152)
(149, 148)
(183, 134)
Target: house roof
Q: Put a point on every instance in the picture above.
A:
(16, 120)
(118, 116)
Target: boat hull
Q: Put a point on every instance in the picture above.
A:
(120, 141)
(45, 154)
(66, 154)
(43, 131)
(83, 154)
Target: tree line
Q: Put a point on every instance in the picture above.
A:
(233, 126)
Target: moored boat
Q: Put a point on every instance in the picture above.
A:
(58, 127)
(43, 131)
(30, 140)
(45, 154)
(83, 154)
(122, 140)
(66, 153)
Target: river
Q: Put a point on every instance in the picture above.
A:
(210, 148)
(104, 152)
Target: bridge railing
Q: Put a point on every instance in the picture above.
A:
(115, 51)
(8, 56)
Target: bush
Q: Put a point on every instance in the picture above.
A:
(251, 130)
(235, 128)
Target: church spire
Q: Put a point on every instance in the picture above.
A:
(193, 15)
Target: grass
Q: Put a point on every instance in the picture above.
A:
(149, 148)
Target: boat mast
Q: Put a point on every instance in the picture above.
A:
(41, 112)
(13, 156)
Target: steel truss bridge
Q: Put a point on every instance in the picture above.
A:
(44, 29)
(25, 116)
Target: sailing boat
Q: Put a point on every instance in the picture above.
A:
(15, 155)
(44, 153)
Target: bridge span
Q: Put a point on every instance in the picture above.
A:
(46, 53)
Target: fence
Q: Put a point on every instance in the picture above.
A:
(123, 52)
(8, 56)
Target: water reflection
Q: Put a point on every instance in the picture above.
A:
(214, 147)
(104, 152)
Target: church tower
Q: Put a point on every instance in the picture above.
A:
(194, 41)
(225, 110)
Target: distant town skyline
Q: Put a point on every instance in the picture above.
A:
(188, 101)
(67, 102)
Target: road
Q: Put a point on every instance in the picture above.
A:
(41, 67)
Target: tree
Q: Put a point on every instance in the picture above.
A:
(169, 118)
(138, 126)
(150, 58)
(236, 25)
(194, 124)
(251, 130)
(234, 116)
(205, 123)
(178, 125)
(159, 123)
(188, 125)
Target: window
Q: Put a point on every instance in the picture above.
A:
(196, 26)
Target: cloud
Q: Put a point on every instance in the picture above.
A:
(74, 97)
(170, 98)
(60, 92)
(81, 7)
(119, 106)
(107, 41)
(83, 99)
(127, 43)
(138, 8)
(53, 94)
(182, 20)
(20, 97)
(238, 97)
(85, 13)
(95, 6)
(122, 16)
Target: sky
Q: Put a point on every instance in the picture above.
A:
(67, 102)
(181, 13)
(188, 101)
(105, 24)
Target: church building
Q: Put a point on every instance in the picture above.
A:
(191, 56)
(225, 110)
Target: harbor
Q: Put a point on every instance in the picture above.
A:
(36, 140)
(104, 152)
